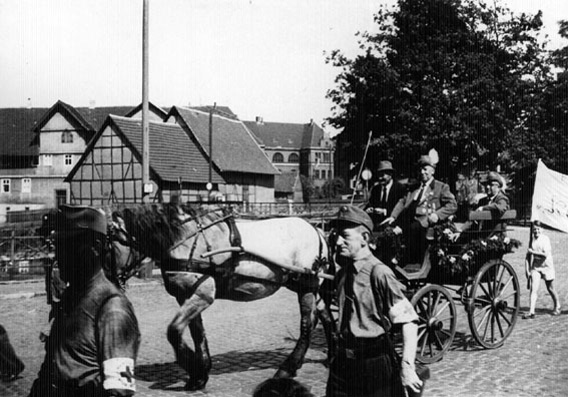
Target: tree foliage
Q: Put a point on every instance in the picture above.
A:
(462, 77)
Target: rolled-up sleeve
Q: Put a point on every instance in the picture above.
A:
(391, 292)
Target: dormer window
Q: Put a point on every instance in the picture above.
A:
(278, 158)
(66, 137)
(294, 158)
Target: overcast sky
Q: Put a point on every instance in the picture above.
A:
(259, 57)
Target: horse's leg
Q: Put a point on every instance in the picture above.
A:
(323, 307)
(294, 361)
(194, 293)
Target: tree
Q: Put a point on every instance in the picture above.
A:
(443, 74)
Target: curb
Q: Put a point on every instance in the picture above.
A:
(27, 295)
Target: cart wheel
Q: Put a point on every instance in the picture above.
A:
(494, 303)
(436, 322)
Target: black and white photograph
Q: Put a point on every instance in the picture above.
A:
(268, 198)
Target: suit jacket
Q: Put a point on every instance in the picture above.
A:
(498, 204)
(396, 192)
(437, 199)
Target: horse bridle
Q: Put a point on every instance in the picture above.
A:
(114, 231)
(200, 230)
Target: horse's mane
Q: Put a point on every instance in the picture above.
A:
(156, 227)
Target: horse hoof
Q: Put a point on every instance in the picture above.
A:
(196, 384)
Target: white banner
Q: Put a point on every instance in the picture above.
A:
(550, 198)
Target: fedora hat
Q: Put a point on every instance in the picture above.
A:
(385, 166)
(495, 177)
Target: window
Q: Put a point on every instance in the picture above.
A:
(277, 158)
(47, 159)
(316, 174)
(68, 159)
(327, 157)
(26, 185)
(6, 185)
(66, 137)
(294, 158)
(322, 174)
(318, 156)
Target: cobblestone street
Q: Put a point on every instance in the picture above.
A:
(249, 340)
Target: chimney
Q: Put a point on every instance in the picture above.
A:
(92, 104)
(259, 120)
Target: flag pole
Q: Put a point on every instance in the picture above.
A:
(361, 167)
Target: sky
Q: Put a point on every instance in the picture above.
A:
(259, 57)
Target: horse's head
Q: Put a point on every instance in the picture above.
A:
(124, 255)
(170, 234)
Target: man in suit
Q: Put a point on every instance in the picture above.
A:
(429, 204)
(384, 194)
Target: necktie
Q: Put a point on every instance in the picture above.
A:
(384, 197)
(348, 304)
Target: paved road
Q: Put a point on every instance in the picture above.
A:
(249, 340)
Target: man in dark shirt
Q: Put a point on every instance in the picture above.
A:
(93, 342)
(371, 300)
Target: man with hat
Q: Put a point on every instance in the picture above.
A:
(429, 204)
(384, 194)
(496, 202)
(371, 300)
(93, 342)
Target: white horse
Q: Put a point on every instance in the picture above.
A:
(206, 254)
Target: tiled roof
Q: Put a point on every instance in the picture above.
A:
(172, 154)
(286, 135)
(220, 110)
(285, 182)
(234, 148)
(16, 130)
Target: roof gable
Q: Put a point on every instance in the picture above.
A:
(173, 157)
(234, 148)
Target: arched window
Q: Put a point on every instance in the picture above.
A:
(66, 137)
(294, 158)
(277, 158)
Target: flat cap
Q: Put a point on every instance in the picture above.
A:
(72, 219)
(354, 215)
(426, 160)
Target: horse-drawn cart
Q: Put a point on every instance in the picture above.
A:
(470, 270)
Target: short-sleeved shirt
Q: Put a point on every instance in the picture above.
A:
(544, 264)
(94, 338)
(376, 292)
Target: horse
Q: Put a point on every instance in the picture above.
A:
(208, 253)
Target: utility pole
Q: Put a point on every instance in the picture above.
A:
(146, 185)
(210, 183)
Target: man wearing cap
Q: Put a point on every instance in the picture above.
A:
(384, 194)
(429, 204)
(93, 342)
(371, 300)
(497, 202)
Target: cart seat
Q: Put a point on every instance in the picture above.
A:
(415, 271)
(490, 223)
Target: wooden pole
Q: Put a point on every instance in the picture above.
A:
(362, 165)
(145, 108)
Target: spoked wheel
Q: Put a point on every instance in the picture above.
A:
(494, 303)
(436, 322)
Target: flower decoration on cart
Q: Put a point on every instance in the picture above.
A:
(466, 258)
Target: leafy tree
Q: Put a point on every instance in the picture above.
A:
(446, 74)
(332, 187)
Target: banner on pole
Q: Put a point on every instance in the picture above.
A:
(550, 198)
